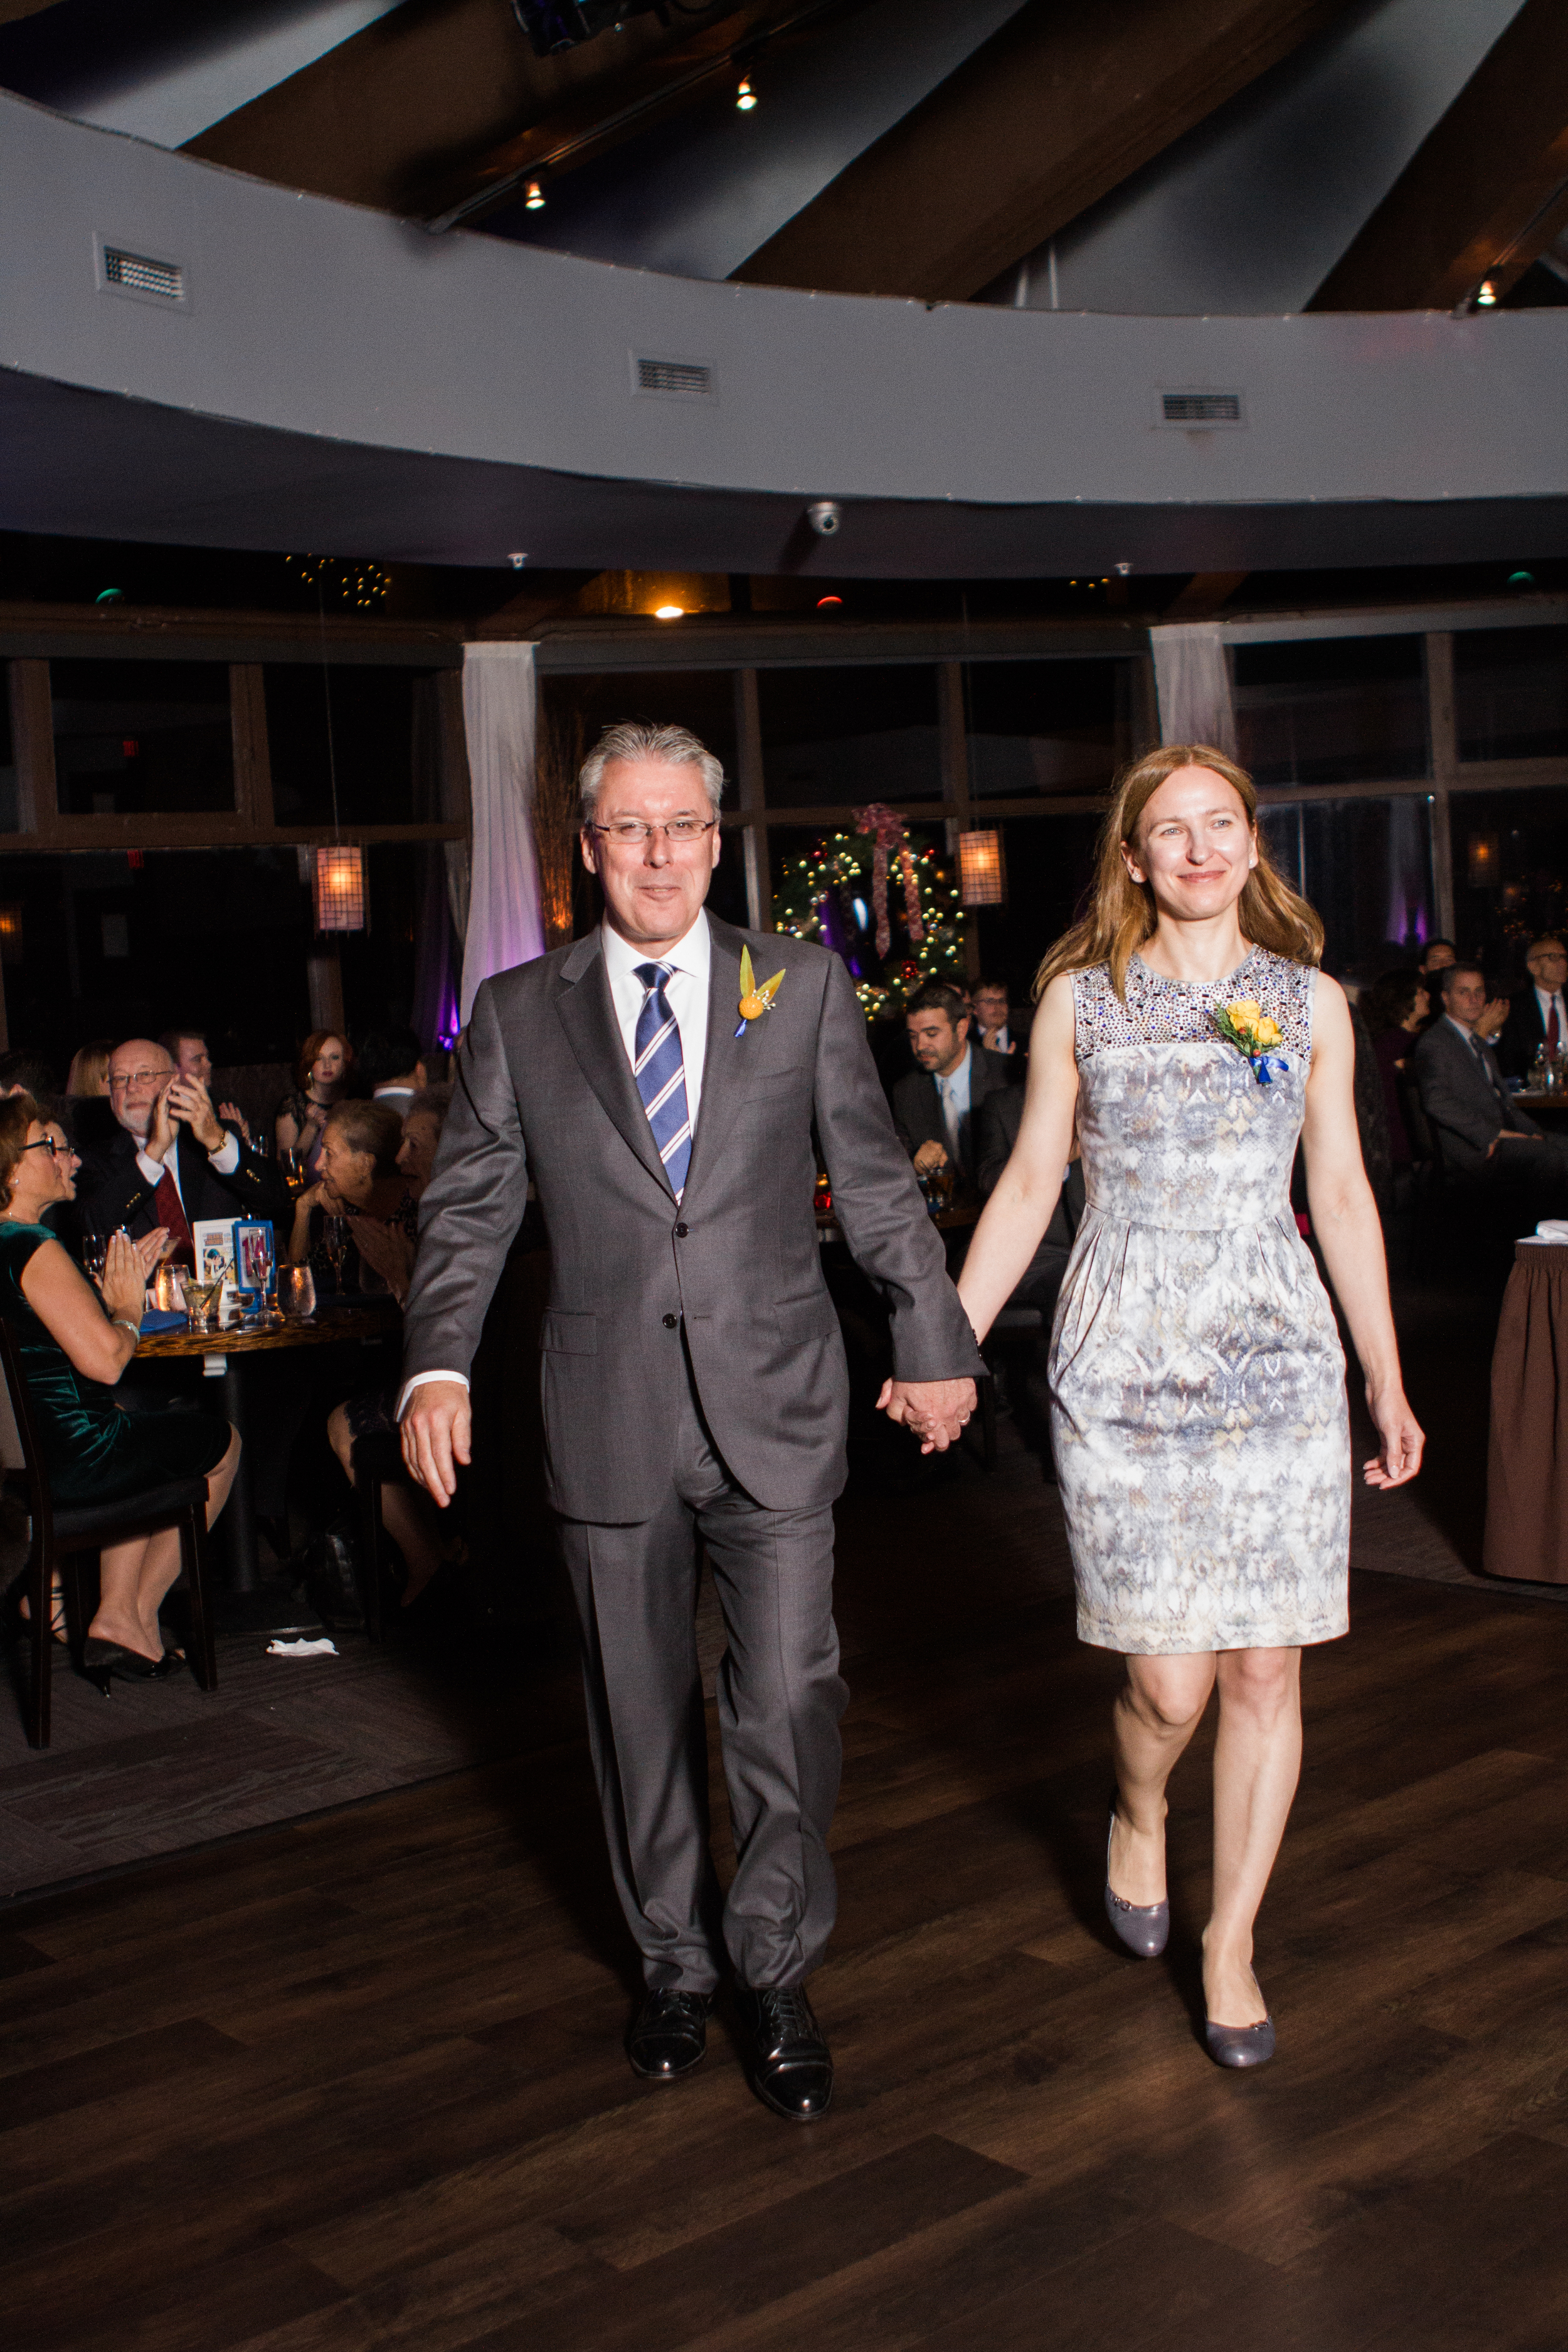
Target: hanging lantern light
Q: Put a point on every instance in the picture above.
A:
(982, 876)
(337, 885)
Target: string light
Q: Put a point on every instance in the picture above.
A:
(746, 96)
(362, 584)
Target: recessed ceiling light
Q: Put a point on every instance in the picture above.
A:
(746, 96)
(1486, 295)
(668, 612)
(535, 200)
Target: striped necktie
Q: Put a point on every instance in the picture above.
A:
(660, 1073)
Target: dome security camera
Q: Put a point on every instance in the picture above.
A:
(824, 515)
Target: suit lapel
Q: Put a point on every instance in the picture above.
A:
(724, 1057)
(588, 1016)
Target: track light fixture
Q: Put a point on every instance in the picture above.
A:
(746, 97)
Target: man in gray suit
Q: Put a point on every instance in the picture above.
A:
(1482, 1134)
(694, 1379)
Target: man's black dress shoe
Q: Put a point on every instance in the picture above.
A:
(791, 2064)
(669, 2035)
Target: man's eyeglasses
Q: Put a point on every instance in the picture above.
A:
(137, 1078)
(633, 835)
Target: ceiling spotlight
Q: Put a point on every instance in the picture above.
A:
(746, 97)
(535, 200)
(1486, 295)
(517, 562)
(668, 612)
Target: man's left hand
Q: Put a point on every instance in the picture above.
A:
(935, 1410)
(189, 1099)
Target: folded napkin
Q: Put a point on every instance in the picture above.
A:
(1550, 1229)
(322, 1649)
(163, 1319)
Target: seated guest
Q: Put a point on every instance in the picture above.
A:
(24, 1073)
(187, 1048)
(392, 1064)
(1436, 956)
(74, 1345)
(89, 1073)
(1538, 1017)
(171, 1161)
(409, 1518)
(360, 1181)
(1000, 1027)
(1396, 1011)
(934, 1106)
(1482, 1133)
(320, 1077)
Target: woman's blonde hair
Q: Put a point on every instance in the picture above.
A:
(1121, 913)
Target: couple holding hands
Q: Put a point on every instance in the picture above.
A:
(669, 1112)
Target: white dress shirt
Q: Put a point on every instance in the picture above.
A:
(1545, 999)
(689, 962)
(955, 1094)
(686, 992)
(222, 1163)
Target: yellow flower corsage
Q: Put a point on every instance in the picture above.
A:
(755, 998)
(1254, 1032)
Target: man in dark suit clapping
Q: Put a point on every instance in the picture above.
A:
(694, 1378)
(936, 1105)
(172, 1160)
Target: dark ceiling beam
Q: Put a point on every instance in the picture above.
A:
(423, 100)
(1054, 111)
(1485, 192)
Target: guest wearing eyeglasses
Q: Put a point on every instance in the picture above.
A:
(74, 1344)
(1538, 1017)
(173, 1161)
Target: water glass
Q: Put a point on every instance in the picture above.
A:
(202, 1302)
(335, 1241)
(296, 1293)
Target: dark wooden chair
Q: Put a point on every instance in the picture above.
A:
(60, 1536)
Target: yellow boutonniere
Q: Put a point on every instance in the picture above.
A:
(1253, 1032)
(755, 998)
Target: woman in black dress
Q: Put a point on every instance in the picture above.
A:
(74, 1345)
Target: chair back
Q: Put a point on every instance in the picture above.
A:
(39, 1507)
(1417, 1125)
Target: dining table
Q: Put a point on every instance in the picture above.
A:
(229, 1355)
(1548, 1110)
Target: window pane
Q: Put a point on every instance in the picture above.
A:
(1510, 693)
(1366, 867)
(370, 745)
(1338, 710)
(1511, 861)
(1051, 868)
(134, 735)
(843, 737)
(7, 769)
(1047, 725)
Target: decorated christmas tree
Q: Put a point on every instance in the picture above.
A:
(893, 940)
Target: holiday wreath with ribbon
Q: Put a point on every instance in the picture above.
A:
(838, 894)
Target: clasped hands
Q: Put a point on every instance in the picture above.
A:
(935, 1410)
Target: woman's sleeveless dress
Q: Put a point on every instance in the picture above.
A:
(94, 1450)
(1198, 1381)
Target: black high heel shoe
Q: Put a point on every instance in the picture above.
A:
(101, 1660)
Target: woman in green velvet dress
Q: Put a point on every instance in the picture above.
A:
(74, 1346)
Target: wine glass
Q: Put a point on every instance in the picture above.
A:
(292, 1164)
(335, 1241)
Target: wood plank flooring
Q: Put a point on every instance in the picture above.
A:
(356, 2085)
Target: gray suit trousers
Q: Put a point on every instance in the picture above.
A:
(780, 1700)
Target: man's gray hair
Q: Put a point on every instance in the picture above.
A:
(638, 738)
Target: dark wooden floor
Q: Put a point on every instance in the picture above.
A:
(358, 2082)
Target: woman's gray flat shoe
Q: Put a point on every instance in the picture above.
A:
(1240, 2046)
(1143, 1927)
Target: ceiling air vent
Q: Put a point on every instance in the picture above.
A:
(673, 379)
(137, 273)
(1200, 408)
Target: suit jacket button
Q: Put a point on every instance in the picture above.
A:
(670, 1321)
(681, 1231)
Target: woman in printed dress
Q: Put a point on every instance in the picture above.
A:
(1197, 1379)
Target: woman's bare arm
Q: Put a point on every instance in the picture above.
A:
(70, 1310)
(1021, 1207)
(1349, 1232)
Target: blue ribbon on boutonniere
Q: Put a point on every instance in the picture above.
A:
(1255, 1035)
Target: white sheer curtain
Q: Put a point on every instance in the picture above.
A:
(1192, 678)
(505, 924)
